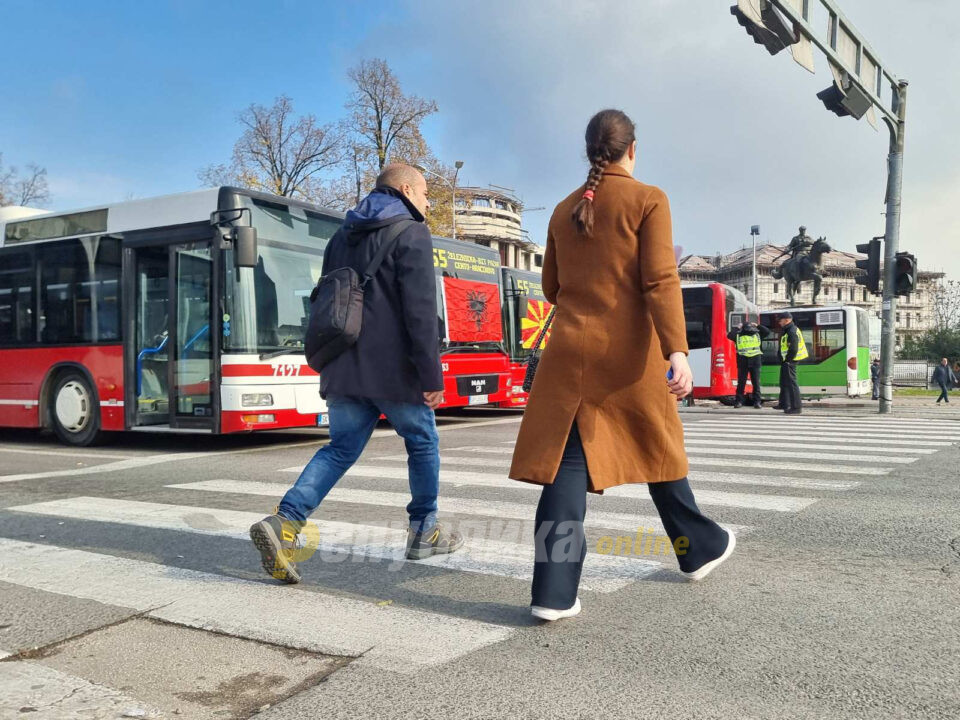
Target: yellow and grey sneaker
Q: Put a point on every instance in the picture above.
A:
(435, 541)
(275, 537)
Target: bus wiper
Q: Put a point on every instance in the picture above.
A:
(278, 353)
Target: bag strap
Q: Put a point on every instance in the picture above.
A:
(393, 232)
(546, 327)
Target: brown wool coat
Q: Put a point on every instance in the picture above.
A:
(619, 316)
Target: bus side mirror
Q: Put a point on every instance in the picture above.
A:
(245, 247)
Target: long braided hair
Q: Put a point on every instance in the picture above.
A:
(610, 133)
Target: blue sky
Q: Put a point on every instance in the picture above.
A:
(130, 99)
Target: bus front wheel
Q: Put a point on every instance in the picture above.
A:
(74, 411)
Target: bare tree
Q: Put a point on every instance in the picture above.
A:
(946, 305)
(381, 115)
(279, 152)
(29, 189)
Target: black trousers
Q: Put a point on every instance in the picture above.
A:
(789, 389)
(944, 392)
(749, 366)
(561, 544)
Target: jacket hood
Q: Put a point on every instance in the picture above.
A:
(381, 207)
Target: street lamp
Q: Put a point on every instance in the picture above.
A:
(453, 189)
(754, 231)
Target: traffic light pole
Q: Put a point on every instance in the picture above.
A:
(891, 244)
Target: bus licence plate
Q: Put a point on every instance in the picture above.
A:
(478, 399)
(323, 420)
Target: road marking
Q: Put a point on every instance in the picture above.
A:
(778, 465)
(693, 452)
(934, 431)
(52, 693)
(763, 480)
(128, 464)
(817, 446)
(735, 436)
(388, 637)
(481, 553)
(67, 454)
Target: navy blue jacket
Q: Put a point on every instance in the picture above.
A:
(397, 357)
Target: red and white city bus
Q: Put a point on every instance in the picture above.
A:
(164, 314)
(525, 312)
(711, 311)
(476, 370)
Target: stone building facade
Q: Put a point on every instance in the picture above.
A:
(914, 314)
(493, 217)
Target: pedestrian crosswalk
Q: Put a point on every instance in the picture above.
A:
(746, 470)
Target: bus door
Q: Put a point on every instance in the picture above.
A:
(172, 339)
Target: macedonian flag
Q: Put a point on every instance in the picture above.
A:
(530, 326)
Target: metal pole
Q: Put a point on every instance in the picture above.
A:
(890, 246)
(454, 210)
(754, 298)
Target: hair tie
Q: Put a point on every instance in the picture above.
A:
(588, 195)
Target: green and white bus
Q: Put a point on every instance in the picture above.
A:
(838, 340)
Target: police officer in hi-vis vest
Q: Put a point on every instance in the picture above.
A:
(749, 359)
(792, 349)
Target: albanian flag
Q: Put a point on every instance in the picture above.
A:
(473, 311)
(531, 326)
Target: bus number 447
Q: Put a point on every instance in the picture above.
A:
(286, 370)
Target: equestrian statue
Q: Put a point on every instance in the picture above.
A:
(804, 264)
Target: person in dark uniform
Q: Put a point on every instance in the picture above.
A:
(749, 359)
(793, 348)
(875, 378)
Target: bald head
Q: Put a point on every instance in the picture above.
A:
(396, 175)
(407, 180)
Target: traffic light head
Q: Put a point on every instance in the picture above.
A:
(767, 27)
(844, 97)
(870, 279)
(905, 276)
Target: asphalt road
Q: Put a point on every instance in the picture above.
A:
(128, 587)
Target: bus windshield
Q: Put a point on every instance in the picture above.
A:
(525, 311)
(468, 302)
(266, 307)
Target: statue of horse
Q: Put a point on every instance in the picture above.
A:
(802, 268)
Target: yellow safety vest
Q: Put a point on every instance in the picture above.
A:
(802, 353)
(748, 345)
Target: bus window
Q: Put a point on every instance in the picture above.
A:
(79, 285)
(698, 311)
(16, 298)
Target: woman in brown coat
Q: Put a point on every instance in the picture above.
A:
(602, 411)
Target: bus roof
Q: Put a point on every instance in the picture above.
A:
(159, 211)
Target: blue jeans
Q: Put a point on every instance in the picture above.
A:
(351, 423)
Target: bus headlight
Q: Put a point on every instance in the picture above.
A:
(256, 399)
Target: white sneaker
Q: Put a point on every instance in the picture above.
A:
(549, 614)
(701, 572)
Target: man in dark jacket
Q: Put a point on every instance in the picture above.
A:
(393, 369)
(944, 377)
(749, 359)
(793, 348)
(875, 378)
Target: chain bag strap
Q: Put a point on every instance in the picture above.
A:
(534, 360)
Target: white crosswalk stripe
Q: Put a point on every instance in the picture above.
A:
(387, 637)
(734, 436)
(509, 556)
(460, 477)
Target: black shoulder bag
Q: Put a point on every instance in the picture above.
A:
(336, 305)
(534, 360)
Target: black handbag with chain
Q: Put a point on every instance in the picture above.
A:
(534, 360)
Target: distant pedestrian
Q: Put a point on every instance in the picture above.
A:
(793, 348)
(601, 412)
(956, 373)
(748, 339)
(875, 377)
(393, 369)
(944, 377)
